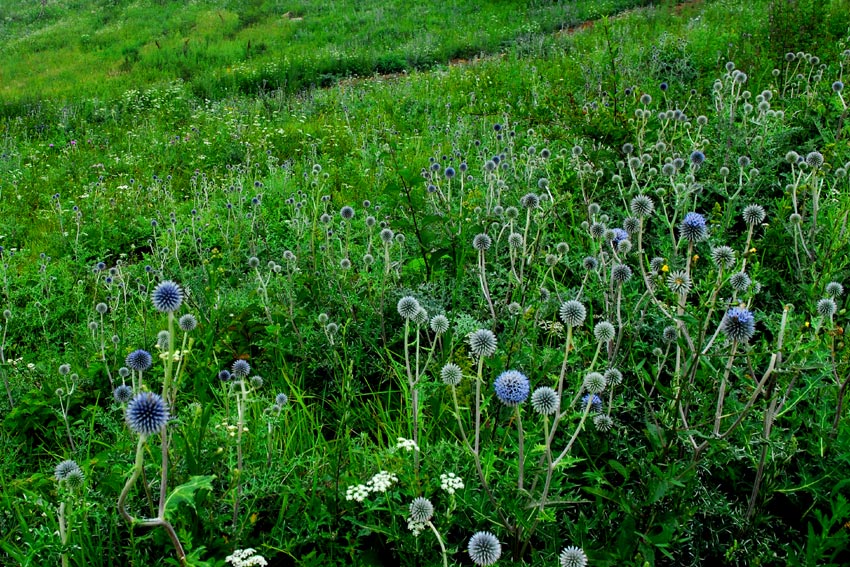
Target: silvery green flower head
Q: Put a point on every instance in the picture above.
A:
(545, 401)
(827, 307)
(834, 289)
(187, 323)
(408, 307)
(693, 227)
(167, 297)
(347, 213)
(739, 324)
(123, 394)
(572, 313)
(439, 324)
(101, 308)
(482, 242)
(679, 282)
(753, 214)
(421, 510)
(147, 413)
(814, 159)
(603, 331)
(240, 369)
(621, 273)
(482, 343)
(451, 374)
(484, 548)
(573, 557)
(421, 317)
(613, 376)
(723, 257)
(64, 468)
(512, 387)
(139, 360)
(594, 383)
(64, 369)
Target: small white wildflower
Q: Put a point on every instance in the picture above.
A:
(451, 483)
(358, 492)
(416, 527)
(381, 482)
(407, 444)
(246, 558)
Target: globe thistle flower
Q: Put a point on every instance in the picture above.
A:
(331, 328)
(64, 369)
(368, 259)
(597, 230)
(618, 235)
(656, 264)
(697, 157)
(545, 401)
(573, 557)
(101, 308)
(515, 240)
(451, 374)
(484, 548)
(551, 260)
(257, 382)
(511, 387)
(345, 264)
(253, 262)
(64, 468)
(421, 510)
(482, 242)
(792, 157)
(281, 399)
(740, 281)
(407, 307)
(590, 263)
(834, 289)
(147, 413)
(139, 360)
(346, 212)
(670, 334)
(530, 201)
(224, 375)
(739, 324)
(562, 248)
(594, 383)
(240, 369)
(514, 308)
(421, 317)
(123, 394)
(621, 273)
(167, 297)
(814, 159)
(386, 235)
(325, 218)
(482, 343)
(162, 339)
(439, 324)
(75, 479)
(322, 318)
(837, 86)
(679, 282)
(572, 313)
(123, 372)
(723, 257)
(603, 422)
(668, 170)
(511, 213)
(187, 323)
(795, 218)
(603, 331)
(753, 214)
(827, 307)
(613, 376)
(631, 225)
(693, 227)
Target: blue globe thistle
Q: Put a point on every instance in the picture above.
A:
(147, 413)
(167, 297)
(139, 360)
(421, 510)
(75, 479)
(723, 257)
(739, 324)
(572, 313)
(347, 213)
(187, 323)
(64, 468)
(670, 334)
(64, 369)
(123, 394)
(281, 399)
(619, 236)
(753, 214)
(590, 263)
(697, 157)
(545, 401)
(621, 273)
(834, 289)
(240, 369)
(482, 343)
(573, 557)
(593, 400)
(123, 372)
(512, 387)
(530, 201)
(679, 282)
(101, 308)
(162, 339)
(603, 422)
(253, 262)
(740, 281)
(484, 548)
(224, 375)
(837, 86)
(814, 159)
(515, 240)
(256, 382)
(693, 227)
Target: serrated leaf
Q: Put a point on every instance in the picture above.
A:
(185, 493)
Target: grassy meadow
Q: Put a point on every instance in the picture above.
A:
(419, 283)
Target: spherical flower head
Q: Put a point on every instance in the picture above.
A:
(631, 225)
(421, 317)
(573, 557)
(511, 213)
(827, 307)
(346, 212)
(670, 334)
(753, 214)
(421, 510)
(256, 382)
(723, 257)
(240, 368)
(613, 376)
(739, 324)
(147, 413)
(619, 236)
(697, 157)
(123, 372)
(64, 369)
(679, 282)
(253, 262)
(187, 323)
(621, 273)
(331, 328)
(408, 307)
(167, 297)
(162, 339)
(834, 289)
(101, 308)
(594, 401)
(123, 394)
(603, 331)
(482, 242)
(590, 263)
(512, 387)
(594, 383)
(451, 374)
(484, 548)
(139, 360)
(740, 281)
(75, 479)
(530, 201)
(439, 324)
(515, 240)
(814, 159)
(693, 227)
(603, 422)
(837, 86)
(572, 313)
(224, 376)
(544, 400)
(483, 343)
(386, 235)
(281, 399)
(64, 468)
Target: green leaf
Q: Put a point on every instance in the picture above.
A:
(186, 492)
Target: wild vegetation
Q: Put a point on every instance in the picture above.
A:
(578, 299)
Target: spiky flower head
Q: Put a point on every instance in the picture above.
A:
(573, 557)
(545, 401)
(421, 317)
(167, 297)
(656, 264)
(511, 213)
(562, 248)
(530, 201)
(224, 375)
(697, 157)
(64, 369)
(837, 86)
(603, 422)
(75, 479)
(723, 257)
(679, 282)
(621, 273)
(740, 281)
(387, 235)
(147, 413)
(597, 230)
(827, 307)
(613, 376)
(253, 262)
(281, 399)
(451, 374)
(512, 387)
(421, 510)
(739, 324)
(603, 331)
(642, 206)
(834, 289)
(64, 468)
(240, 368)
(814, 159)
(439, 324)
(256, 382)
(594, 383)
(590, 263)
(123, 394)
(101, 308)
(484, 548)
(482, 343)
(162, 339)
(693, 227)
(631, 225)
(515, 240)
(753, 214)
(123, 372)
(346, 212)
(572, 313)
(187, 323)
(482, 242)
(408, 307)
(139, 360)
(670, 334)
